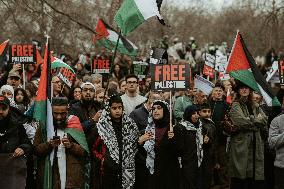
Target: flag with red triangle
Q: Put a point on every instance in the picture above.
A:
(3, 50)
(43, 113)
(242, 67)
(108, 37)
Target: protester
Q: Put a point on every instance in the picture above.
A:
(131, 98)
(180, 105)
(276, 142)
(67, 149)
(161, 150)
(57, 86)
(219, 109)
(87, 110)
(22, 100)
(114, 145)
(14, 79)
(246, 162)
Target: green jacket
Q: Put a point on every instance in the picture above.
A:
(241, 144)
(180, 105)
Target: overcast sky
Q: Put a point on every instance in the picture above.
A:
(211, 4)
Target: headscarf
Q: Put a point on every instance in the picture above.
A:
(149, 145)
(130, 135)
(187, 123)
(11, 89)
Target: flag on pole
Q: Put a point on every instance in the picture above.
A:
(3, 50)
(242, 67)
(133, 13)
(43, 113)
(108, 37)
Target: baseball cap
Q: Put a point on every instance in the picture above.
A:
(4, 100)
(14, 74)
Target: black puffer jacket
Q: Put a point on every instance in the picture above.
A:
(13, 134)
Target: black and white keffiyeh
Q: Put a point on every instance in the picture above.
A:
(199, 138)
(149, 145)
(130, 135)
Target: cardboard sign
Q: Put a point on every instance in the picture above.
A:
(281, 72)
(25, 54)
(203, 84)
(13, 172)
(221, 62)
(209, 60)
(101, 66)
(158, 56)
(66, 76)
(139, 69)
(170, 77)
(209, 71)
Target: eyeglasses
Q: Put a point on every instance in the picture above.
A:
(131, 82)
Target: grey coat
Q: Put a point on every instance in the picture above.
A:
(241, 145)
(276, 139)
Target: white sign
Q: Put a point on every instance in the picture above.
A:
(221, 62)
(203, 84)
(209, 60)
(272, 71)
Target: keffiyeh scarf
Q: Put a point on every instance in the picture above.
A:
(130, 135)
(149, 145)
(199, 138)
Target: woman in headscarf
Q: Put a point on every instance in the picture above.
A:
(113, 143)
(8, 91)
(191, 152)
(246, 162)
(160, 149)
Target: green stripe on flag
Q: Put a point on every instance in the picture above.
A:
(79, 137)
(246, 77)
(111, 46)
(128, 17)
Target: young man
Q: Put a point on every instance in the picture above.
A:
(68, 147)
(114, 145)
(209, 145)
(131, 98)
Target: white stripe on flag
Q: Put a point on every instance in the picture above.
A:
(148, 8)
(266, 97)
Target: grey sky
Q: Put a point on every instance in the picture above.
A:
(210, 4)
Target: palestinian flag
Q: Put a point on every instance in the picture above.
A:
(3, 50)
(43, 113)
(242, 67)
(133, 13)
(108, 37)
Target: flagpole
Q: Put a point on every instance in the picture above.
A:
(24, 77)
(112, 64)
(171, 113)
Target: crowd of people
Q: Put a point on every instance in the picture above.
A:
(127, 137)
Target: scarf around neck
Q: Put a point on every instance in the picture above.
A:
(149, 145)
(199, 138)
(130, 135)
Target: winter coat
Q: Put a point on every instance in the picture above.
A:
(241, 144)
(13, 134)
(75, 157)
(187, 150)
(180, 105)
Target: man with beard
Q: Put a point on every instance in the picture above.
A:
(114, 145)
(67, 149)
(88, 110)
(131, 98)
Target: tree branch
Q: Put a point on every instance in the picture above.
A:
(69, 17)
